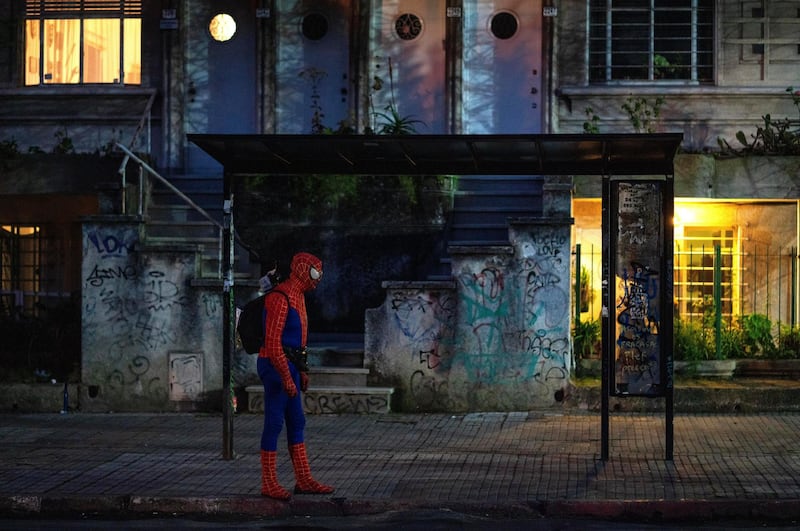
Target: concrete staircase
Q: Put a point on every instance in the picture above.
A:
(338, 377)
(482, 206)
(171, 221)
(338, 381)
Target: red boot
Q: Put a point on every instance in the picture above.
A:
(269, 478)
(302, 471)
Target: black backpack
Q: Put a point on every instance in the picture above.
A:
(251, 323)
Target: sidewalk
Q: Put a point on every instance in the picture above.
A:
(744, 466)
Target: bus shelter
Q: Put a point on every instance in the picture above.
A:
(637, 174)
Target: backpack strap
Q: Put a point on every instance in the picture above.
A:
(264, 311)
(285, 296)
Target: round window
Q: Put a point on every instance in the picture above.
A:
(408, 26)
(315, 26)
(503, 25)
(222, 27)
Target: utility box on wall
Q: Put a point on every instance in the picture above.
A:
(185, 376)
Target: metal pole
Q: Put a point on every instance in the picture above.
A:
(229, 314)
(578, 284)
(793, 288)
(717, 301)
(607, 306)
(122, 171)
(667, 312)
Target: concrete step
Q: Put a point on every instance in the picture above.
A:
(336, 356)
(209, 252)
(189, 230)
(179, 213)
(332, 399)
(338, 376)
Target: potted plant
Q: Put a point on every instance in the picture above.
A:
(587, 347)
(765, 356)
(694, 351)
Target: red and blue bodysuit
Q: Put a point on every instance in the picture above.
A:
(283, 371)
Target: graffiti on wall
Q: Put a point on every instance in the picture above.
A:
(499, 337)
(638, 252)
(320, 402)
(514, 340)
(131, 315)
(425, 321)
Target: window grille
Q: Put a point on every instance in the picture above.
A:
(34, 269)
(762, 31)
(63, 8)
(695, 265)
(664, 41)
(20, 256)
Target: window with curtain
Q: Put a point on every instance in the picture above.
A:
(83, 41)
(652, 41)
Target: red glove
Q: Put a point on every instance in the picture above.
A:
(304, 381)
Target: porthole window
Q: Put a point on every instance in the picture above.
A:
(222, 27)
(408, 26)
(503, 25)
(315, 26)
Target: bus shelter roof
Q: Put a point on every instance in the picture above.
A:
(507, 154)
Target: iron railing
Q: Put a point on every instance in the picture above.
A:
(710, 280)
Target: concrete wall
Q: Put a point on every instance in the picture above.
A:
(150, 341)
(712, 177)
(754, 195)
(498, 338)
(743, 92)
(409, 342)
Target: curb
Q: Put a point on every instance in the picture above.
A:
(655, 511)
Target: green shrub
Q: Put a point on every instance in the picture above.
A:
(788, 343)
(731, 342)
(586, 338)
(691, 343)
(757, 336)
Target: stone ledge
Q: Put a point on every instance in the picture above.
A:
(712, 395)
(38, 397)
(332, 399)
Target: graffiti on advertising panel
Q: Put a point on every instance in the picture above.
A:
(637, 352)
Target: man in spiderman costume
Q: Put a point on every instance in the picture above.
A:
(283, 370)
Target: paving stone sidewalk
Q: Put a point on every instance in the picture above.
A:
(724, 466)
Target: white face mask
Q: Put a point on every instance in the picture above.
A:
(315, 274)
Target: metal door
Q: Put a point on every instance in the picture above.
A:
(220, 79)
(409, 37)
(312, 65)
(502, 75)
(231, 100)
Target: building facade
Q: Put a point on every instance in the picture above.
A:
(90, 232)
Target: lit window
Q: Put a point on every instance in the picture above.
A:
(706, 258)
(83, 41)
(20, 265)
(651, 41)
